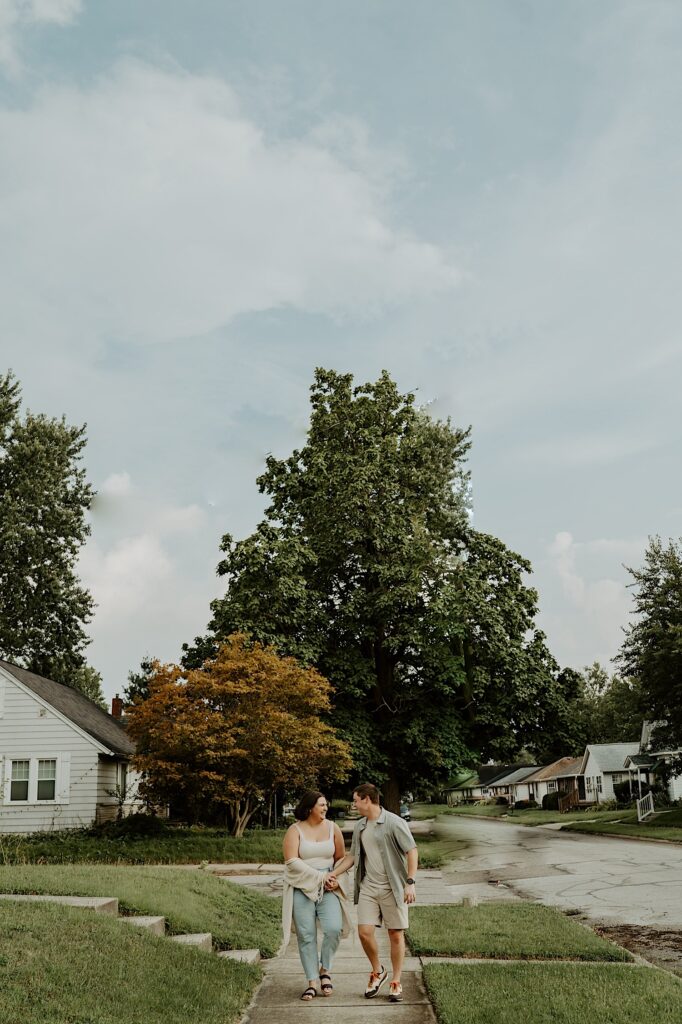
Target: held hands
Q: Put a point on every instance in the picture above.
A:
(410, 893)
(331, 883)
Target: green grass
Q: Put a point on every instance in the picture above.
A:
(190, 900)
(434, 851)
(177, 846)
(533, 816)
(65, 966)
(505, 930)
(552, 994)
(657, 829)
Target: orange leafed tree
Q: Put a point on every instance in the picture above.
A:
(227, 735)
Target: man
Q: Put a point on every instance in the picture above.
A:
(385, 855)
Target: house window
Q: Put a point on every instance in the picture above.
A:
(19, 784)
(589, 783)
(599, 786)
(47, 779)
(551, 786)
(619, 777)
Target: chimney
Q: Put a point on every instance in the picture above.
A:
(116, 707)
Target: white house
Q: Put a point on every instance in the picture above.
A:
(513, 785)
(650, 762)
(559, 777)
(603, 765)
(62, 759)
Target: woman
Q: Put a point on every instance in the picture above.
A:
(311, 848)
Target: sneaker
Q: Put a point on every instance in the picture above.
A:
(395, 992)
(375, 982)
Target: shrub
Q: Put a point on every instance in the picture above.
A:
(501, 801)
(524, 805)
(550, 801)
(134, 825)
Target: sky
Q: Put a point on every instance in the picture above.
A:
(201, 202)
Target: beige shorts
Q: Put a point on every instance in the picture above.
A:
(378, 906)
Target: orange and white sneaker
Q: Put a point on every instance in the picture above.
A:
(375, 982)
(395, 992)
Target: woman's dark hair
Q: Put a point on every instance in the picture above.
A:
(306, 804)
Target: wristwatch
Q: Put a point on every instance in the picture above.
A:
(410, 881)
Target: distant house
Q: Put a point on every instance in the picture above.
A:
(513, 785)
(650, 764)
(62, 759)
(603, 765)
(561, 777)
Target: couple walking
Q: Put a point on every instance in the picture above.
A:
(315, 887)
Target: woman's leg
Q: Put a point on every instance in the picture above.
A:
(306, 931)
(331, 920)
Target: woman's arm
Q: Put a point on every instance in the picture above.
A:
(339, 845)
(291, 844)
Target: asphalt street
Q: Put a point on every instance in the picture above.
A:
(609, 880)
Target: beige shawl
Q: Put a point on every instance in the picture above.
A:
(299, 875)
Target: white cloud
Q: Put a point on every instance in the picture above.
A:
(15, 15)
(149, 207)
(593, 603)
(124, 579)
(117, 485)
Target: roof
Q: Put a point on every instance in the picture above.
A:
(610, 757)
(490, 773)
(520, 775)
(561, 769)
(75, 706)
(460, 779)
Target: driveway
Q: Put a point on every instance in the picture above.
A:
(613, 881)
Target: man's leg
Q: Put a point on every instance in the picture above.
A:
(367, 934)
(397, 939)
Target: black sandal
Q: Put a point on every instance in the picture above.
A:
(309, 994)
(326, 987)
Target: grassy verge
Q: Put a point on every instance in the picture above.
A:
(532, 816)
(434, 852)
(177, 846)
(560, 993)
(629, 827)
(507, 931)
(191, 901)
(63, 965)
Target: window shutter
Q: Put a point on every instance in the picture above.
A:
(6, 780)
(64, 778)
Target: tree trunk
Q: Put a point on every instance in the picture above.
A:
(391, 792)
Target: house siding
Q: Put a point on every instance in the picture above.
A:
(30, 730)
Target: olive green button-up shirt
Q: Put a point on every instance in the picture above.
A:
(394, 839)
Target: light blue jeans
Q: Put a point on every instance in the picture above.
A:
(306, 916)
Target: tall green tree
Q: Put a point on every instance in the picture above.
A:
(367, 567)
(44, 498)
(89, 681)
(652, 650)
(614, 706)
(137, 688)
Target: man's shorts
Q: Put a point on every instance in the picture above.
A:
(378, 906)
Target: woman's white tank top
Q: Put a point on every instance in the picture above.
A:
(320, 854)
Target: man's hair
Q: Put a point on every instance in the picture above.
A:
(367, 789)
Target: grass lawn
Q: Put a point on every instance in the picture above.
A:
(434, 852)
(190, 900)
(528, 817)
(556, 993)
(64, 966)
(177, 846)
(505, 930)
(667, 826)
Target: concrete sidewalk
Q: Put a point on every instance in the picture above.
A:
(278, 998)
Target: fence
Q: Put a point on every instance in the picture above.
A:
(645, 807)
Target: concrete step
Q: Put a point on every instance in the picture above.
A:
(244, 956)
(100, 904)
(155, 925)
(198, 940)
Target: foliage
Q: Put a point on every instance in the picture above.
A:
(190, 900)
(138, 682)
(525, 805)
(89, 682)
(43, 501)
(550, 801)
(652, 649)
(106, 845)
(60, 964)
(613, 706)
(367, 567)
(230, 733)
